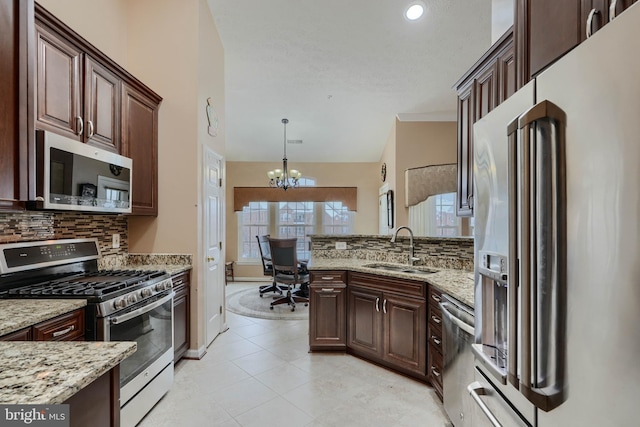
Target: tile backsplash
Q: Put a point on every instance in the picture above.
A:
(454, 253)
(32, 225)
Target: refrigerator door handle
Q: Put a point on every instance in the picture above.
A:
(542, 254)
(476, 389)
(512, 266)
(612, 10)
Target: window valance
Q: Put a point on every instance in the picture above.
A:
(347, 195)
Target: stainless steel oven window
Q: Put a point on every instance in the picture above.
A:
(150, 326)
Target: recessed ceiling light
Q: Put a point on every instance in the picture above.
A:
(415, 11)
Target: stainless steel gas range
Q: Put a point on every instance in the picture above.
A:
(122, 305)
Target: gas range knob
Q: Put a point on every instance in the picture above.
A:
(160, 286)
(146, 292)
(119, 303)
(131, 299)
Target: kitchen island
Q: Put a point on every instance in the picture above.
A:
(50, 372)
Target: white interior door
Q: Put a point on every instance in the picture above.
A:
(212, 229)
(383, 226)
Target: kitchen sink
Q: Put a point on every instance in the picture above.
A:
(401, 268)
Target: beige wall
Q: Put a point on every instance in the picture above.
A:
(365, 176)
(102, 22)
(415, 144)
(174, 48)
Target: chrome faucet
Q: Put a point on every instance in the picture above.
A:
(412, 258)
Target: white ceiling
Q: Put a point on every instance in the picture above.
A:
(340, 71)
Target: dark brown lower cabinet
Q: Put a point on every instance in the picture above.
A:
(66, 327)
(181, 315)
(98, 404)
(327, 312)
(387, 322)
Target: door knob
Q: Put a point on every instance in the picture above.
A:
(210, 258)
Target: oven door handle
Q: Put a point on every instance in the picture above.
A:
(119, 319)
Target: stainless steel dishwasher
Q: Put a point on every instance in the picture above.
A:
(458, 335)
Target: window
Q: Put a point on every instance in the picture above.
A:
(336, 218)
(253, 221)
(436, 217)
(296, 219)
(447, 224)
(290, 219)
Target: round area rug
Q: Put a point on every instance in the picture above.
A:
(247, 302)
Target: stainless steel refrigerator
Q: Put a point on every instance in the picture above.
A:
(557, 242)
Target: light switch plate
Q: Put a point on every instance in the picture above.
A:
(341, 245)
(115, 241)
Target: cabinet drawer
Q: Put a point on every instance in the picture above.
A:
(435, 317)
(21, 335)
(434, 335)
(403, 287)
(434, 297)
(319, 277)
(180, 280)
(435, 370)
(67, 327)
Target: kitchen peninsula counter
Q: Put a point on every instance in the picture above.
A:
(16, 314)
(456, 283)
(50, 372)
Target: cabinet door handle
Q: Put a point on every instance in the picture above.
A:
(434, 371)
(590, 21)
(612, 10)
(80, 125)
(435, 340)
(436, 319)
(384, 306)
(435, 297)
(177, 282)
(327, 289)
(90, 125)
(327, 278)
(378, 304)
(64, 331)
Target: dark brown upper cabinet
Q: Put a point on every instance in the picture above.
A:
(83, 94)
(102, 92)
(76, 95)
(490, 81)
(140, 143)
(547, 29)
(16, 108)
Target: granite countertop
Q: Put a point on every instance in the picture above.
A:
(50, 372)
(456, 283)
(172, 269)
(16, 314)
(171, 263)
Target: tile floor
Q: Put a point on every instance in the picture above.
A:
(259, 373)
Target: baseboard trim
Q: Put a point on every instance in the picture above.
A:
(250, 279)
(196, 354)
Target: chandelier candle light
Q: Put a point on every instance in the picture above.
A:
(284, 178)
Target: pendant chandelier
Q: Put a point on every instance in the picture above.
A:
(284, 178)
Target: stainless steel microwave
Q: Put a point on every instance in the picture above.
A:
(74, 176)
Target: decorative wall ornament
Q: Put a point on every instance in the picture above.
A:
(212, 118)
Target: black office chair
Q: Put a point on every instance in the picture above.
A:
(267, 268)
(288, 271)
